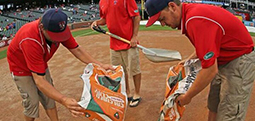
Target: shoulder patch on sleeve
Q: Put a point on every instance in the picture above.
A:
(208, 55)
(136, 11)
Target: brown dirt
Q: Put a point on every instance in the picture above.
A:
(65, 71)
(3, 48)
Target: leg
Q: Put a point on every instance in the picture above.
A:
(119, 58)
(30, 97)
(127, 85)
(135, 71)
(137, 83)
(48, 103)
(134, 65)
(236, 88)
(136, 98)
(214, 98)
(28, 118)
(212, 116)
(52, 113)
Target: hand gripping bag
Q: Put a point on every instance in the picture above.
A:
(104, 94)
(179, 80)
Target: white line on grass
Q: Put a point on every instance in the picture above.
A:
(87, 33)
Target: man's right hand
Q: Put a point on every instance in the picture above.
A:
(73, 106)
(107, 67)
(93, 24)
(101, 22)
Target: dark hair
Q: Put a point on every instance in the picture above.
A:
(177, 2)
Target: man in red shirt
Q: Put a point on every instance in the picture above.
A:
(122, 18)
(225, 49)
(28, 53)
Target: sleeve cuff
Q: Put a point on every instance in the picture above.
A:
(40, 74)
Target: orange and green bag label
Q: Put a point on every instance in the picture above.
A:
(104, 93)
(179, 80)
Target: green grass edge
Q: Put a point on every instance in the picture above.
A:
(3, 54)
(88, 31)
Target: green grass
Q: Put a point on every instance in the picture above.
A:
(154, 28)
(252, 34)
(88, 31)
(3, 54)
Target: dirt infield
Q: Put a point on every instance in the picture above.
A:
(65, 71)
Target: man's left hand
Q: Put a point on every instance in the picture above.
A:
(107, 67)
(183, 100)
(134, 42)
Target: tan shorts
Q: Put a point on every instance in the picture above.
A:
(231, 89)
(128, 59)
(31, 95)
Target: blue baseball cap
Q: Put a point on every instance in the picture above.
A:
(55, 23)
(154, 8)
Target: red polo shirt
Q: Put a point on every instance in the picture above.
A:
(29, 51)
(215, 33)
(118, 15)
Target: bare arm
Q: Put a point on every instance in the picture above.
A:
(101, 21)
(84, 57)
(192, 56)
(46, 88)
(204, 77)
(136, 23)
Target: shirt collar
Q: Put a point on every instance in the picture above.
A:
(40, 33)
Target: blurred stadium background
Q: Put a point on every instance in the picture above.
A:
(15, 13)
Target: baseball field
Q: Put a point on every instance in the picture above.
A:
(66, 70)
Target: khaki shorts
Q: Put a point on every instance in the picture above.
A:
(231, 88)
(31, 95)
(128, 59)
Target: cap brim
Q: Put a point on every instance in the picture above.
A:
(60, 36)
(153, 19)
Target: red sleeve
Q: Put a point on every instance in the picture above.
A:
(70, 43)
(34, 55)
(132, 8)
(205, 36)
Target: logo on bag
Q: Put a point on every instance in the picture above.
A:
(86, 72)
(172, 114)
(208, 55)
(109, 99)
(116, 115)
(190, 79)
(87, 115)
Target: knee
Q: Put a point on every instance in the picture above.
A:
(31, 106)
(34, 103)
(28, 101)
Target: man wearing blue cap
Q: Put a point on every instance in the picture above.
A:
(30, 50)
(225, 49)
